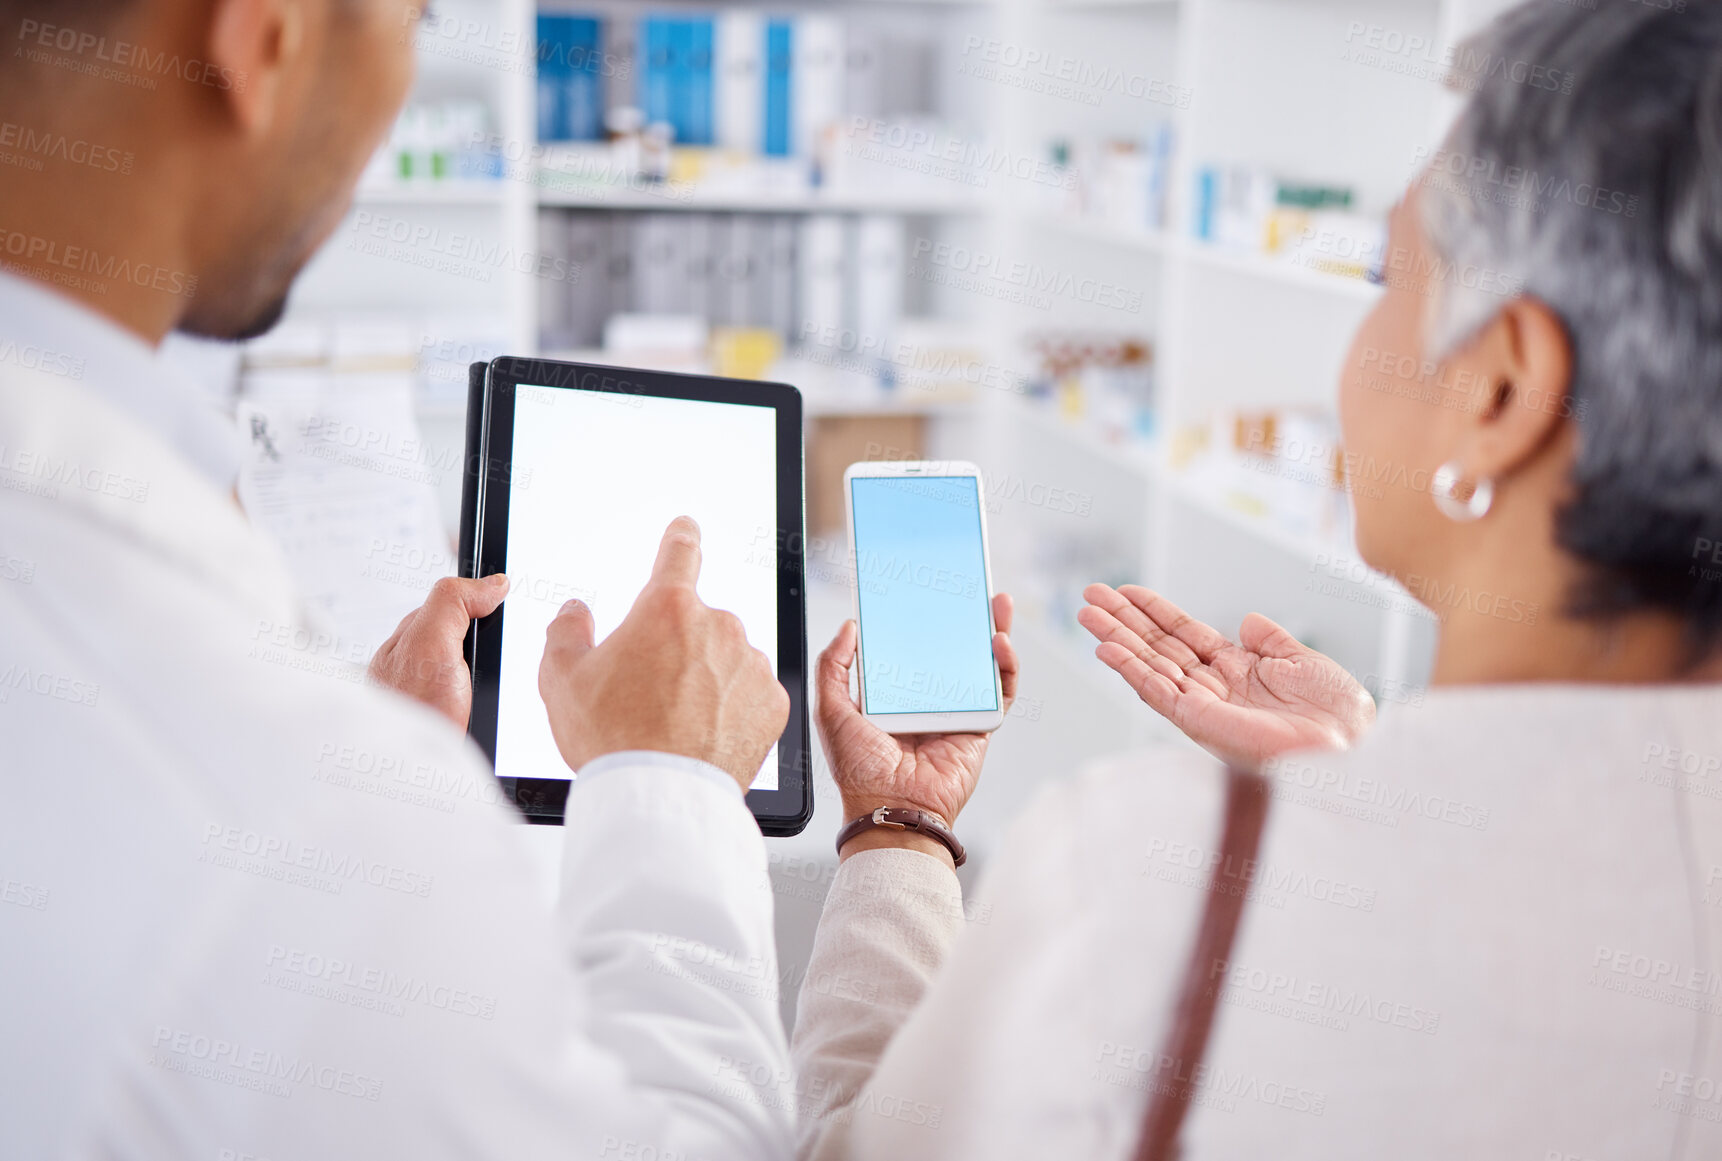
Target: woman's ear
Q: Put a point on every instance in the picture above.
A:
(1522, 362)
(253, 45)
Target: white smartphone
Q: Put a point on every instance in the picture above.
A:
(923, 597)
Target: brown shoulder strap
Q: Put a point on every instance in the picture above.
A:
(1240, 838)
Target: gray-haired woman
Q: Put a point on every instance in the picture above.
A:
(1490, 925)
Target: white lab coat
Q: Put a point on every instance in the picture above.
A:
(1491, 930)
(252, 907)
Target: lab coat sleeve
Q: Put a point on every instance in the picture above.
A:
(1005, 1049)
(889, 921)
(668, 913)
(451, 1014)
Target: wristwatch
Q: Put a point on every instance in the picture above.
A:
(903, 818)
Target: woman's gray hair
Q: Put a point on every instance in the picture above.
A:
(1586, 172)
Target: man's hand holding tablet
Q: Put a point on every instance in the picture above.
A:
(676, 676)
(422, 657)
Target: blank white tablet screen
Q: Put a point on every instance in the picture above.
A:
(596, 478)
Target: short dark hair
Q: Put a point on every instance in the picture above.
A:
(83, 15)
(1614, 110)
(61, 11)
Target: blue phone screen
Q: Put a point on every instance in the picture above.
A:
(920, 568)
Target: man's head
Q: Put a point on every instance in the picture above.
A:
(244, 125)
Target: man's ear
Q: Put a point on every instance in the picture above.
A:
(1523, 365)
(252, 46)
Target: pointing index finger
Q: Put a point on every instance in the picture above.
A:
(678, 560)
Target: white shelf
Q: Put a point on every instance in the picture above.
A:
(432, 193)
(1146, 460)
(1159, 243)
(837, 392)
(806, 5)
(764, 202)
(816, 407)
(1112, 5)
(1155, 242)
(1261, 266)
(1306, 549)
(1136, 456)
(826, 390)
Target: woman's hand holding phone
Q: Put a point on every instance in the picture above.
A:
(1243, 702)
(930, 772)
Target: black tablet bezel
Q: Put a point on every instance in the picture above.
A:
(484, 542)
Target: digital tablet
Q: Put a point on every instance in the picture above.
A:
(573, 472)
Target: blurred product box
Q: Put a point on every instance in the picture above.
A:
(1104, 380)
(435, 142)
(1121, 181)
(1284, 467)
(1250, 210)
(835, 442)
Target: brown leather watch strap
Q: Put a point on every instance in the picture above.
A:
(1246, 810)
(903, 818)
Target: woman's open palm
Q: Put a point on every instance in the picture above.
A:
(1242, 702)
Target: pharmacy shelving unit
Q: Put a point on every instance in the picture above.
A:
(1266, 86)
(1293, 86)
(1265, 82)
(469, 238)
(452, 248)
(808, 202)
